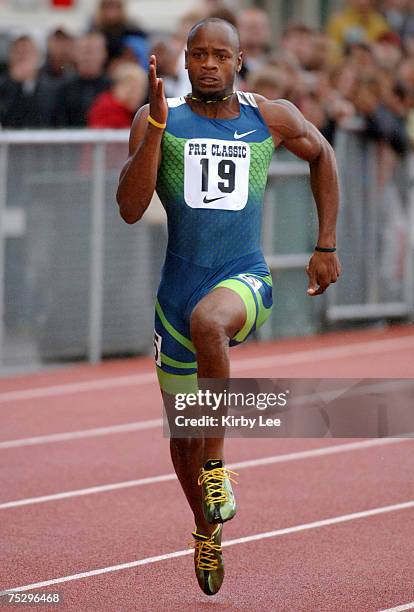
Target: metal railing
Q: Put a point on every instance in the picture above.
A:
(98, 140)
(375, 230)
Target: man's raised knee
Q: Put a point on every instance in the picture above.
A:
(206, 328)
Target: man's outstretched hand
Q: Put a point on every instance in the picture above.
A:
(323, 270)
(158, 103)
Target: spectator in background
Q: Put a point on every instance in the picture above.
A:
(111, 20)
(255, 38)
(294, 82)
(132, 53)
(322, 106)
(387, 52)
(399, 16)
(405, 73)
(408, 27)
(361, 56)
(139, 48)
(383, 107)
(298, 44)
(179, 40)
(394, 12)
(270, 82)
(322, 54)
(343, 79)
(77, 94)
(408, 45)
(116, 108)
(26, 96)
(59, 61)
(359, 22)
(167, 54)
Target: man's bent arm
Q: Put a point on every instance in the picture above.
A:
(304, 140)
(139, 175)
(289, 127)
(325, 189)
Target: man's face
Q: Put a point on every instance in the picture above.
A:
(212, 60)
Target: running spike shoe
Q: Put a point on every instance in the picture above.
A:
(219, 504)
(208, 561)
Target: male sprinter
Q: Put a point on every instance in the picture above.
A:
(207, 154)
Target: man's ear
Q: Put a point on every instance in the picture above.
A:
(186, 59)
(239, 61)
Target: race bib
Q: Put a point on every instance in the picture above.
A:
(216, 174)
(157, 348)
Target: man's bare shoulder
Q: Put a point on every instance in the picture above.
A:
(283, 118)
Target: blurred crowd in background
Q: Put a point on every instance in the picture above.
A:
(360, 65)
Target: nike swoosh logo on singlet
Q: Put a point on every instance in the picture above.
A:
(237, 136)
(207, 201)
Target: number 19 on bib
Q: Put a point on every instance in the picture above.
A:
(216, 174)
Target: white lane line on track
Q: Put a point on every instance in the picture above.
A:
(244, 540)
(84, 433)
(408, 606)
(238, 365)
(308, 454)
(338, 352)
(131, 380)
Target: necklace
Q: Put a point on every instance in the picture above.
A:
(191, 97)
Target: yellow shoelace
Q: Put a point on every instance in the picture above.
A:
(205, 556)
(214, 479)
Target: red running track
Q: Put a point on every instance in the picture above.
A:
(87, 488)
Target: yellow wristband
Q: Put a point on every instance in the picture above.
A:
(158, 125)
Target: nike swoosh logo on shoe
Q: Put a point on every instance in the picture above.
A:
(207, 201)
(237, 136)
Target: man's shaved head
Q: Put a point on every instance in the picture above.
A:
(215, 21)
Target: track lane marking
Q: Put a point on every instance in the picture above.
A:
(131, 380)
(307, 454)
(243, 540)
(328, 353)
(83, 433)
(238, 365)
(408, 606)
